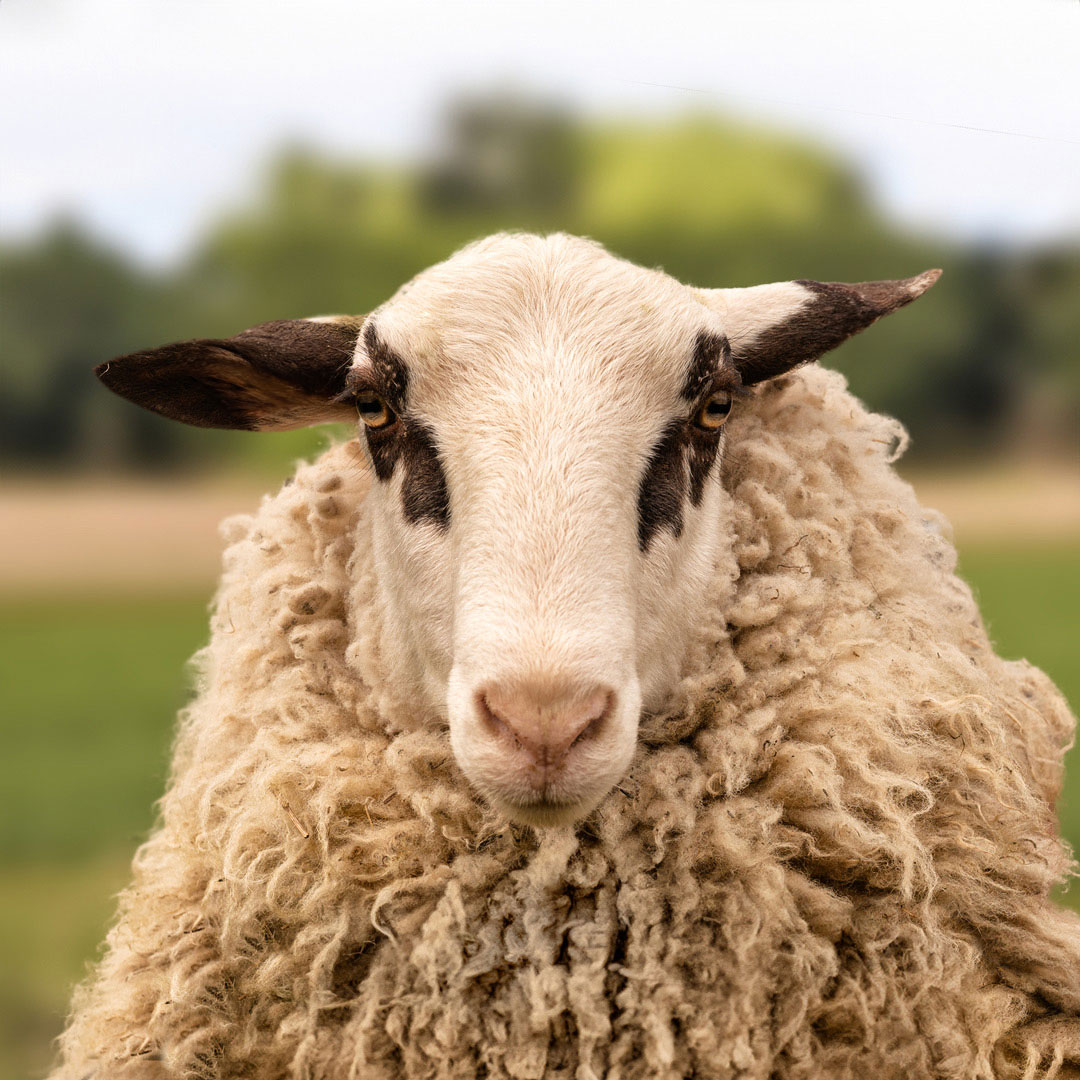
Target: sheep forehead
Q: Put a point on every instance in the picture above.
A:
(512, 306)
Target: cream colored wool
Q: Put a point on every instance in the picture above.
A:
(831, 858)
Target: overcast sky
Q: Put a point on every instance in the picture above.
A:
(145, 117)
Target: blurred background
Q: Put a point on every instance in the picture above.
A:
(188, 169)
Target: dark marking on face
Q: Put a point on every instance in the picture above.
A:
(711, 354)
(703, 448)
(682, 458)
(663, 486)
(405, 441)
(389, 370)
(424, 496)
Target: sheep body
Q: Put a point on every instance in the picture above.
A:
(832, 854)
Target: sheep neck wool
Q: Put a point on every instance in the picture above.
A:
(832, 854)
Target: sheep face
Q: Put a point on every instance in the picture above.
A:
(544, 423)
(547, 422)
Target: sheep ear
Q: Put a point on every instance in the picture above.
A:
(773, 328)
(275, 376)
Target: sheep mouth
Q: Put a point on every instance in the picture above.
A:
(546, 813)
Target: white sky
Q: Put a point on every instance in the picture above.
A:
(145, 117)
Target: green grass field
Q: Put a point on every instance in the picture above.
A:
(90, 690)
(91, 687)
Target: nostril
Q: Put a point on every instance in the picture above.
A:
(592, 726)
(494, 723)
(542, 724)
(594, 721)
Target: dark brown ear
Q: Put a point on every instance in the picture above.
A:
(773, 328)
(275, 376)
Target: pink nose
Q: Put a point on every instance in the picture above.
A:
(543, 720)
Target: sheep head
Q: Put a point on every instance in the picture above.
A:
(544, 422)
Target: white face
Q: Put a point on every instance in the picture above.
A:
(547, 517)
(541, 540)
(545, 423)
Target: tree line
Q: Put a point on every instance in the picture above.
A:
(988, 363)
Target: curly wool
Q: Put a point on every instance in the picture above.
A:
(832, 855)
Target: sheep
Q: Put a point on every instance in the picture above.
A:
(609, 708)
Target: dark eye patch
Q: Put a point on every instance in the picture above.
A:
(712, 354)
(424, 494)
(388, 372)
(663, 486)
(681, 460)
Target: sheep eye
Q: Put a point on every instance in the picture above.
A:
(715, 411)
(373, 410)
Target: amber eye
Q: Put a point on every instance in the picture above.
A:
(373, 410)
(715, 411)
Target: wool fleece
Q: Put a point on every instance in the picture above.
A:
(832, 855)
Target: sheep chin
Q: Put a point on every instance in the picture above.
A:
(546, 813)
